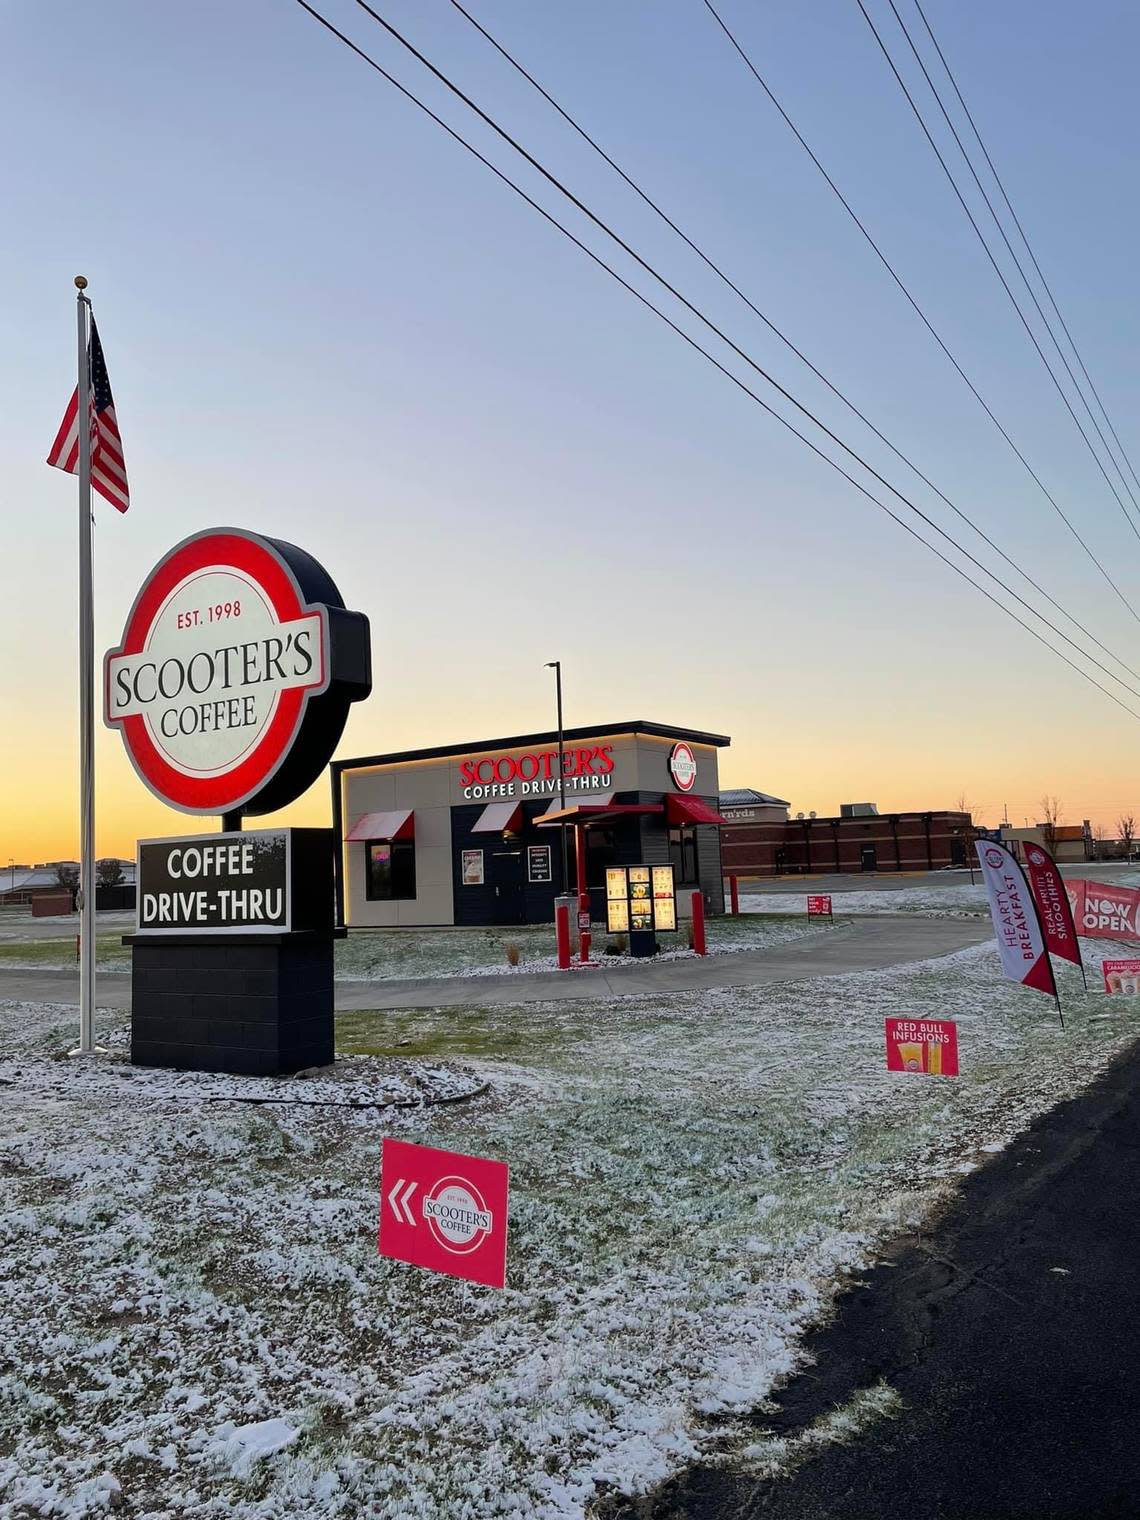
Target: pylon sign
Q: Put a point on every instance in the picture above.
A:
(236, 670)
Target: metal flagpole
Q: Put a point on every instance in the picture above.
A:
(86, 692)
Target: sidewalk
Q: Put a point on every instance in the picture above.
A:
(1011, 1334)
(866, 944)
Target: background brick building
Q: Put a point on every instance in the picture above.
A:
(759, 838)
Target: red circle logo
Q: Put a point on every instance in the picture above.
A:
(683, 767)
(457, 1215)
(220, 655)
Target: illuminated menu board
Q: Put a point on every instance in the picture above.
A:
(640, 898)
(664, 899)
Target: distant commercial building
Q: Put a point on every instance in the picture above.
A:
(760, 839)
(1067, 842)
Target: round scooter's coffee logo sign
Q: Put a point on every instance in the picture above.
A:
(222, 653)
(995, 858)
(457, 1215)
(683, 767)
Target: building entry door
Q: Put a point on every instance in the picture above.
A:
(868, 858)
(507, 881)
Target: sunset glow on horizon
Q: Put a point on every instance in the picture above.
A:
(324, 322)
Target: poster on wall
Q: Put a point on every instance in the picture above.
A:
(538, 863)
(472, 868)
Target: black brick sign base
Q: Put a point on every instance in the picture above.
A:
(251, 1005)
(224, 996)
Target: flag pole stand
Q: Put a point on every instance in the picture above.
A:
(86, 894)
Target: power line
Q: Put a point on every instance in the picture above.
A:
(716, 268)
(1013, 255)
(711, 358)
(1024, 238)
(713, 328)
(925, 320)
(997, 268)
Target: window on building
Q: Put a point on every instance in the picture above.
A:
(390, 870)
(683, 855)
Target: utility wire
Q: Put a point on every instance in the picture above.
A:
(1024, 238)
(1076, 384)
(717, 270)
(923, 318)
(997, 267)
(712, 326)
(711, 358)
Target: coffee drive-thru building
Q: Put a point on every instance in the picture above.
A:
(473, 833)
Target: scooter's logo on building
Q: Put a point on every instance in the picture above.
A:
(222, 653)
(457, 1215)
(683, 767)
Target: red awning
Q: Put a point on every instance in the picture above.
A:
(498, 818)
(398, 824)
(688, 810)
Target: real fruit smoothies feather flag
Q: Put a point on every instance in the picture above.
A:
(1052, 904)
(1021, 942)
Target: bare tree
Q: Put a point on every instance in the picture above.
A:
(1051, 815)
(109, 871)
(963, 804)
(67, 876)
(1126, 828)
(1100, 838)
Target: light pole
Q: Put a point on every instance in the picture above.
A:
(556, 666)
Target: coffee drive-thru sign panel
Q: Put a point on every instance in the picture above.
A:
(236, 670)
(231, 687)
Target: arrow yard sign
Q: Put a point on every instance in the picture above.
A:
(444, 1211)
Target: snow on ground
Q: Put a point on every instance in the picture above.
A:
(935, 901)
(414, 953)
(182, 1282)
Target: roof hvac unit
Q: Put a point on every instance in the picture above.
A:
(858, 810)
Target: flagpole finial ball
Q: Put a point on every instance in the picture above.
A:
(80, 282)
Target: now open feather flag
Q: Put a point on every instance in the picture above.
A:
(108, 469)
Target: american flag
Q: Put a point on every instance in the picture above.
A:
(108, 470)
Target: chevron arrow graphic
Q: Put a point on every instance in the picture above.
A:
(396, 1202)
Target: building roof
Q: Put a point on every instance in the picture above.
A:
(747, 796)
(550, 736)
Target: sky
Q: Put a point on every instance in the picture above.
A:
(324, 321)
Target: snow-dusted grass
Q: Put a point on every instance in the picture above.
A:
(396, 954)
(959, 900)
(410, 953)
(691, 1177)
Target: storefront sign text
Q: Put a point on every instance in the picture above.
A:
(536, 774)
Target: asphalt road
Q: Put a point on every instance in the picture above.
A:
(1012, 1334)
(865, 944)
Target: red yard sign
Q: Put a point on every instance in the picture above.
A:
(1122, 976)
(444, 1211)
(928, 1045)
(819, 907)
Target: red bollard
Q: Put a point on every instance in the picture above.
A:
(562, 935)
(699, 944)
(734, 892)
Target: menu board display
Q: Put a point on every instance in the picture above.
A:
(664, 899)
(640, 898)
